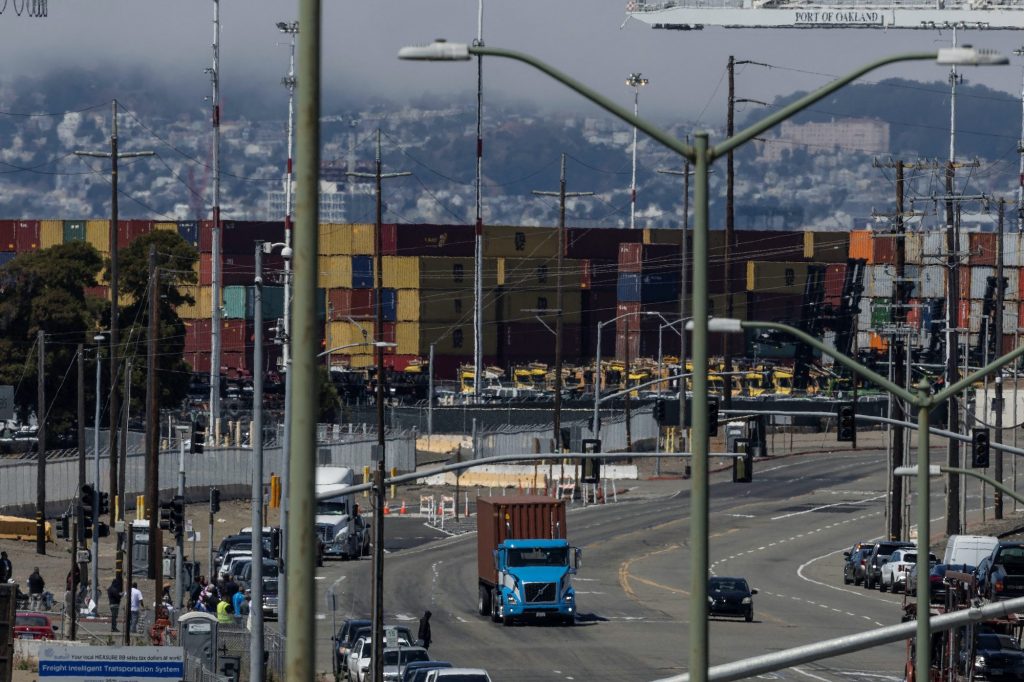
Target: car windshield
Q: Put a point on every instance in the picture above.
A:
(332, 507)
(993, 642)
(1012, 558)
(31, 621)
(728, 585)
(270, 586)
(366, 650)
(537, 556)
(407, 656)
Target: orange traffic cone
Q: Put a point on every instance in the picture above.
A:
(387, 510)
(402, 510)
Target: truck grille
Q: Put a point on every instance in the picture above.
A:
(325, 532)
(540, 592)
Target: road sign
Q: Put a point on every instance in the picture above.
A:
(84, 556)
(6, 402)
(63, 663)
(391, 637)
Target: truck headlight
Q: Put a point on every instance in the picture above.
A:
(510, 599)
(979, 661)
(746, 600)
(568, 597)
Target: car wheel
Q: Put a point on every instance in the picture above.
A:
(484, 601)
(846, 578)
(750, 616)
(881, 585)
(867, 583)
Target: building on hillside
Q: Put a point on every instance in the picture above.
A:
(861, 135)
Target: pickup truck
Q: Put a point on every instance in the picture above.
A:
(1004, 577)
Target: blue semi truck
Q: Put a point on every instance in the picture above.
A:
(524, 562)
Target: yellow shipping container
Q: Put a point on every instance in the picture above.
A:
(826, 247)
(346, 333)
(401, 272)
(363, 239)
(517, 301)
(334, 272)
(662, 236)
(407, 305)
(97, 233)
(201, 309)
(334, 239)
(359, 360)
(415, 338)
(51, 233)
(167, 227)
(776, 278)
(540, 273)
(437, 272)
(452, 305)
(524, 242)
(718, 305)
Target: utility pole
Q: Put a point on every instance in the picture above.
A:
(559, 314)
(377, 657)
(256, 438)
(730, 224)
(952, 321)
(152, 430)
(213, 428)
(997, 402)
(625, 397)
(98, 338)
(41, 445)
(478, 238)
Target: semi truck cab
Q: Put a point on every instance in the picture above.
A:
(535, 579)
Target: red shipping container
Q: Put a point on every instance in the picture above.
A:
(205, 269)
(233, 361)
(130, 230)
(355, 303)
(964, 285)
(584, 266)
(982, 247)
(883, 249)
(8, 242)
(100, 291)
(389, 239)
(198, 335)
(199, 360)
(620, 345)
(388, 336)
(914, 313)
(630, 257)
(964, 318)
(598, 243)
(432, 240)
(234, 335)
(205, 236)
(26, 235)
(835, 280)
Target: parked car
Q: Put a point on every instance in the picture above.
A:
(895, 570)
(997, 657)
(359, 658)
(343, 642)
(730, 597)
(1005, 573)
(270, 597)
(458, 675)
(853, 567)
(32, 625)
(396, 659)
(416, 671)
(879, 555)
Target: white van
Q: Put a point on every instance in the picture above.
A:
(968, 549)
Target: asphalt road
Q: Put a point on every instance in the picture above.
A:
(785, 533)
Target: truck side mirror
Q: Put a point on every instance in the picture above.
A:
(578, 556)
(494, 554)
(846, 555)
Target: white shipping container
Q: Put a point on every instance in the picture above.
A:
(912, 273)
(864, 314)
(879, 281)
(975, 322)
(1012, 292)
(965, 243)
(913, 243)
(863, 340)
(1010, 319)
(1011, 250)
(979, 280)
(932, 282)
(934, 246)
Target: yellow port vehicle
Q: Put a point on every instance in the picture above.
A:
(782, 381)
(490, 379)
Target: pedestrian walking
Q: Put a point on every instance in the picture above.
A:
(236, 604)
(36, 585)
(6, 569)
(424, 633)
(114, 594)
(136, 604)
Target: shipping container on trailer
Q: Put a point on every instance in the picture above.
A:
(51, 233)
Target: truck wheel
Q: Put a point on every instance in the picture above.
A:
(495, 602)
(483, 605)
(569, 620)
(507, 621)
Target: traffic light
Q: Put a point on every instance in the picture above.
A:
(178, 515)
(86, 499)
(64, 527)
(846, 432)
(214, 500)
(590, 466)
(659, 411)
(198, 438)
(166, 522)
(979, 448)
(666, 412)
(712, 417)
(104, 503)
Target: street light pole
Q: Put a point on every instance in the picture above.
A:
(702, 155)
(635, 81)
(256, 439)
(99, 339)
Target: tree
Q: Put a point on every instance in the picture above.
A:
(46, 290)
(176, 260)
(327, 397)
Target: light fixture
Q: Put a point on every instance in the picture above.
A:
(439, 50)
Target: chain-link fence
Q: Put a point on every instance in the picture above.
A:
(539, 439)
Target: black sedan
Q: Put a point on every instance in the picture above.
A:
(997, 657)
(730, 597)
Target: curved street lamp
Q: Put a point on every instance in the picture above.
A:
(635, 81)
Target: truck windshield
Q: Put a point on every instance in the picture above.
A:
(548, 556)
(332, 507)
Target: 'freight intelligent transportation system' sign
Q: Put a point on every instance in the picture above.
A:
(65, 663)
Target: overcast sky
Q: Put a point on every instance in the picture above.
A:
(361, 39)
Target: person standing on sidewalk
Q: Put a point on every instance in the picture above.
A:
(136, 604)
(36, 585)
(6, 569)
(114, 594)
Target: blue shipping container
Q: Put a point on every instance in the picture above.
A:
(6, 257)
(189, 231)
(390, 301)
(273, 303)
(362, 272)
(628, 290)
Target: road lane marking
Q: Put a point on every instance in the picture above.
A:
(811, 675)
(826, 506)
(625, 576)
